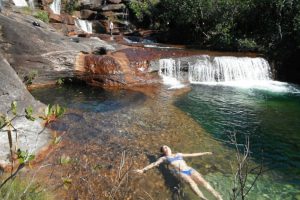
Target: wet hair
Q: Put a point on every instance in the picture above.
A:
(162, 149)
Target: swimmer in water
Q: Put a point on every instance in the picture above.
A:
(181, 169)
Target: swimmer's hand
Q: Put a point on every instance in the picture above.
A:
(139, 171)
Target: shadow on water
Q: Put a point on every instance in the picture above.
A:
(93, 114)
(88, 99)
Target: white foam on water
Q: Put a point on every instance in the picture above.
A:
(129, 41)
(269, 85)
(156, 46)
(170, 73)
(173, 83)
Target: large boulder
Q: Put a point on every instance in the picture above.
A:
(54, 18)
(32, 48)
(68, 19)
(88, 14)
(12, 89)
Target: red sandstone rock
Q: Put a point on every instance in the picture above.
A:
(68, 19)
(114, 71)
(72, 33)
(53, 18)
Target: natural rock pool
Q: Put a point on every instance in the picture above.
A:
(103, 127)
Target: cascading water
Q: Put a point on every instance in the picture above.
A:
(242, 72)
(55, 6)
(171, 72)
(217, 69)
(226, 69)
(84, 25)
(20, 3)
(31, 4)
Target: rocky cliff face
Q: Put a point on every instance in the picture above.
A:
(31, 48)
(97, 12)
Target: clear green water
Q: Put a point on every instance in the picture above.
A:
(88, 99)
(271, 119)
(128, 120)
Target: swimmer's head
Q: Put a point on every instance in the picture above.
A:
(166, 150)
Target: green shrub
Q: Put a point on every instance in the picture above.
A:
(142, 9)
(247, 44)
(42, 15)
(16, 189)
(71, 6)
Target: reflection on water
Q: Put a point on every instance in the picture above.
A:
(271, 119)
(95, 137)
(88, 98)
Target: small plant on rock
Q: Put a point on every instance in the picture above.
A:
(52, 112)
(42, 15)
(28, 79)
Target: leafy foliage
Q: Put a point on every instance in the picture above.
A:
(42, 15)
(71, 6)
(24, 156)
(29, 112)
(14, 107)
(60, 81)
(67, 182)
(270, 27)
(52, 112)
(64, 160)
(28, 79)
(20, 189)
(144, 10)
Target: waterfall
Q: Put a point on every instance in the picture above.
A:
(204, 68)
(20, 3)
(227, 69)
(55, 6)
(171, 68)
(171, 72)
(241, 72)
(31, 4)
(84, 25)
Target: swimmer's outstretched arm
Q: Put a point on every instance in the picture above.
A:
(195, 154)
(154, 164)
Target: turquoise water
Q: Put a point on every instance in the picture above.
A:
(271, 119)
(98, 119)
